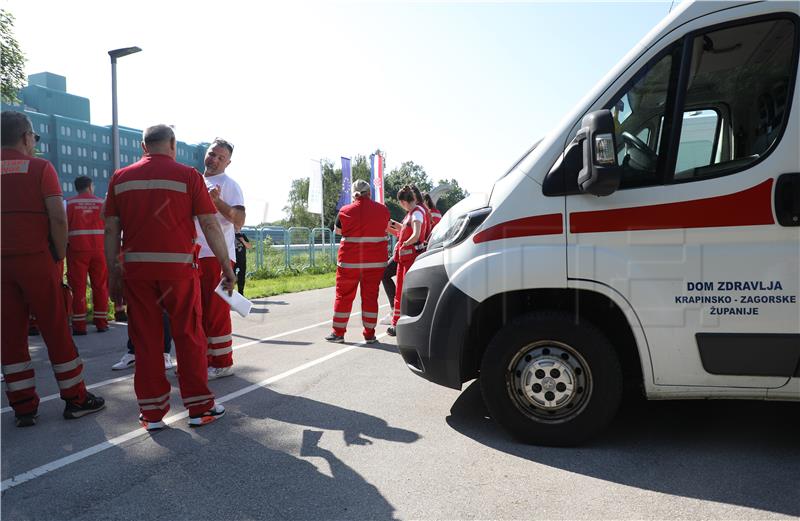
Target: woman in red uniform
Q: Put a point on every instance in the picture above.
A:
(411, 231)
(436, 215)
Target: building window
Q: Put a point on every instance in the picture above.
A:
(94, 137)
(63, 132)
(105, 156)
(94, 154)
(63, 168)
(105, 173)
(69, 132)
(94, 172)
(63, 149)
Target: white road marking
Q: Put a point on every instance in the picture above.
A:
(130, 376)
(119, 440)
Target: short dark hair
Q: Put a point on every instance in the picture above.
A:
(14, 125)
(82, 182)
(158, 134)
(219, 142)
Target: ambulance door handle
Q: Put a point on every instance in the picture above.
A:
(787, 199)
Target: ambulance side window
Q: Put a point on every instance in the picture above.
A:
(634, 111)
(744, 74)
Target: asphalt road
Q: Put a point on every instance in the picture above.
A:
(329, 431)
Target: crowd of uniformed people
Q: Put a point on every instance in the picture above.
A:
(160, 243)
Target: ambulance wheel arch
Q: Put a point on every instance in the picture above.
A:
(550, 381)
(583, 306)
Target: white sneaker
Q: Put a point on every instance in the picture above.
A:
(386, 321)
(127, 360)
(168, 363)
(219, 372)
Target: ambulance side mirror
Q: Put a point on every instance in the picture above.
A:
(600, 174)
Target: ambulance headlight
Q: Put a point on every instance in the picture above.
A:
(460, 229)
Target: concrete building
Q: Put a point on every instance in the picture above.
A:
(72, 143)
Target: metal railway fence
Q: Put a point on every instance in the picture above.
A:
(276, 249)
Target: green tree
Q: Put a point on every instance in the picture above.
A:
(12, 60)
(452, 197)
(297, 207)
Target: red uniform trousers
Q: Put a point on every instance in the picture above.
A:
(347, 281)
(79, 263)
(403, 265)
(216, 315)
(32, 283)
(181, 299)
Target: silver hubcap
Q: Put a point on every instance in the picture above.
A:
(549, 381)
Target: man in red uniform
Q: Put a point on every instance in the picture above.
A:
(228, 198)
(151, 204)
(34, 239)
(362, 259)
(85, 255)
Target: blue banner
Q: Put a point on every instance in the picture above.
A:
(345, 197)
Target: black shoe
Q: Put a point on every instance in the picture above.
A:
(102, 329)
(336, 339)
(120, 316)
(391, 331)
(370, 340)
(27, 420)
(91, 404)
(75, 332)
(33, 331)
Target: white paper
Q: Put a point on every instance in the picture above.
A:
(236, 301)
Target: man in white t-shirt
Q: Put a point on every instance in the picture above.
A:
(227, 197)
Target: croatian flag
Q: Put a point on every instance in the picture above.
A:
(345, 197)
(376, 177)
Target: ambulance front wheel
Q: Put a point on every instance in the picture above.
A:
(550, 381)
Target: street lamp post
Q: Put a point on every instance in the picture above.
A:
(116, 53)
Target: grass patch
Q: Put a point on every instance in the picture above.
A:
(255, 288)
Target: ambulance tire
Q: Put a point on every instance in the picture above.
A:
(550, 381)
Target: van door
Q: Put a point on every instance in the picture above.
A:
(702, 237)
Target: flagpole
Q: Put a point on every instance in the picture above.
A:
(322, 214)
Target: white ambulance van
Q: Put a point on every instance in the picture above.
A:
(650, 243)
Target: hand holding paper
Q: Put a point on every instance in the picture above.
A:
(236, 301)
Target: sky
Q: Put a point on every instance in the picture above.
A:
(460, 88)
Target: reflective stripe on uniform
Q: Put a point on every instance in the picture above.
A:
(364, 239)
(153, 400)
(362, 265)
(144, 256)
(368, 314)
(84, 200)
(369, 324)
(67, 366)
(66, 384)
(339, 324)
(86, 232)
(17, 368)
(407, 252)
(152, 184)
(28, 383)
(339, 314)
(79, 317)
(100, 315)
(197, 399)
(219, 339)
(154, 407)
(221, 351)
